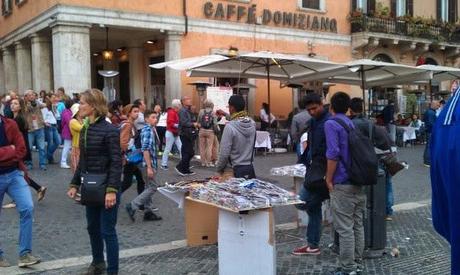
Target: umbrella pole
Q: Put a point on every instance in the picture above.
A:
(430, 88)
(268, 85)
(363, 85)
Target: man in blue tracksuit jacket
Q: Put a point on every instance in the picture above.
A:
(445, 177)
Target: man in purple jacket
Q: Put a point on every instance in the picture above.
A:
(347, 200)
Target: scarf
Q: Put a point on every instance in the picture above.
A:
(86, 124)
(237, 115)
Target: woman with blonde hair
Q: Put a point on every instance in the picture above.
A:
(207, 121)
(100, 158)
(75, 125)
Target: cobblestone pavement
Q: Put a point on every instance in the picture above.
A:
(59, 226)
(422, 251)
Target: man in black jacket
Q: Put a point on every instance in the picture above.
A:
(381, 140)
(188, 130)
(380, 137)
(314, 191)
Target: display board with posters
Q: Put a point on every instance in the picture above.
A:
(219, 96)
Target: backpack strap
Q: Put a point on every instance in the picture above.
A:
(348, 129)
(253, 146)
(342, 123)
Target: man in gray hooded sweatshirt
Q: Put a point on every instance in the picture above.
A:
(237, 144)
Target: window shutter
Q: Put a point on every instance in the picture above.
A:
(439, 10)
(393, 10)
(410, 7)
(370, 6)
(452, 11)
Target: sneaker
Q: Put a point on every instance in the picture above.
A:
(179, 172)
(43, 167)
(28, 260)
(149, 216)
(41, 193)
(339, 272)
(4, 262)
(65, 166)
(131, 212)
(306, 250)
(164, 167)
(426, 165)
(96, 269)
(29, 167)
(359, 267)
(388, 218)
(9, 205)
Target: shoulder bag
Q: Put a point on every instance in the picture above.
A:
(93, 185)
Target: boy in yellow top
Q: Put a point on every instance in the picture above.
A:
(75, 125)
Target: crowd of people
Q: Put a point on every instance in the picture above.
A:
(110, 143)
(114, 143)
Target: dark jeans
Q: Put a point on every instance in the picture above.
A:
(101, 228)
(187, 152)
(313, 202)
(161, 135)
(427, 153)
(130, 170)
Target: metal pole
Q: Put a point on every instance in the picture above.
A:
(430, 88)
(363, 85)
(268, 84)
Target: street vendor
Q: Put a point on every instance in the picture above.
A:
(237, 144)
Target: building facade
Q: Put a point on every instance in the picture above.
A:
(46, 44)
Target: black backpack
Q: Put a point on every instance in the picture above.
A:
(363, 166)
(206, 120)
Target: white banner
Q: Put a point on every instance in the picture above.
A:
(219, 96)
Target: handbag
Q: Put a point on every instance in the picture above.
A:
(93, 185)
(244, 171)
(391, 164)
(315, 179)
(134, 156)
(93, 189)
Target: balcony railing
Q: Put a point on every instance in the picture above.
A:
(402, 27)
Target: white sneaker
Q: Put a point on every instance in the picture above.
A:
(65, 166)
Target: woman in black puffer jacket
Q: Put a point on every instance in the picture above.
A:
(100, 153)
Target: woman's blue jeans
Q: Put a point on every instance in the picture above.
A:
(101, 228)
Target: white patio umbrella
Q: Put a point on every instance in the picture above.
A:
(371, 73)
(440, 73)
(187, 63)
(261, 65)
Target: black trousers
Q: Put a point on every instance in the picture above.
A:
(130, 170)
(34, 185)
(161, 135)
(187, 152)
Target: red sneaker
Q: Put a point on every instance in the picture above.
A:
(306, 250)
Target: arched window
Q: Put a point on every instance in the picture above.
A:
(430, 61)
(383, 58)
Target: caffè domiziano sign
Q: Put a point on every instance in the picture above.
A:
(253, 15)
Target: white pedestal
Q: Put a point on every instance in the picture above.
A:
(247, 243)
